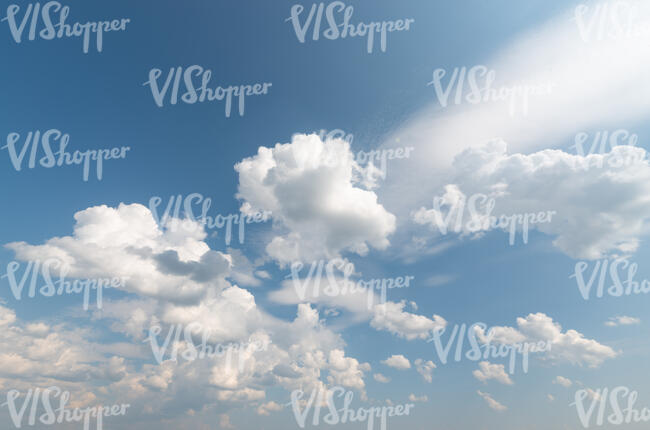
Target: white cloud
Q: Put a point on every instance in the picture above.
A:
(390, 316)
(27, 351)
(622, 320)
(327, 291)
(570, 346)
(243, 271)
(601, 84)
(425, 369)
(315, 203)
(346, 371)
(224, 422)
(7, 316)
(500, 334)
(398, 362)
(592, 395)
(262, 274)
(131, 317)
(599, 212)
(492, 371)
(561, 380)
(174, 278)
(267, 408)
(362, 303)
(228, 315)
(301, 353)
(125, 242)
(381, 378)
(414, 398)
(493, 404)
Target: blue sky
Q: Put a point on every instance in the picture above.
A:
(243, 291)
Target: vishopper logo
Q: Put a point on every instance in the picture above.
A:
(173, 346)
(171, 217)
(480, 219)
(343, 414)
(475, 85)
(48, 269)
(600, 398)
(478, 339)
(61, 157)
(338, 17)
(43, 398)
(58, 30)
(195, 92)
(613, 20)
(309, 287)
(619, 268)
(618, 142)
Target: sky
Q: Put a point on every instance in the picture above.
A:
(289, 155)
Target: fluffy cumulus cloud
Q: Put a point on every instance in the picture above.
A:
(301, 354)
(318, 203)
(570, 346)
(390, 316)
(488, 370)
(39, 354)
(126, 242)
(175, 281)
(600, 200)
(346, 371)
(397, 361)
(493, 404)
